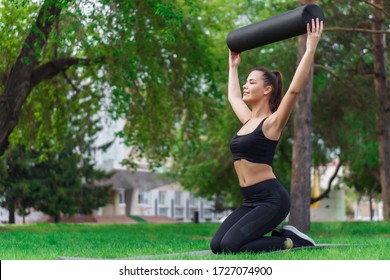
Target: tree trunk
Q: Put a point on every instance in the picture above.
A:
(300, 177)
(371, 208)
(57, 218)
(383, 101)
(19, 81)
(11, 211)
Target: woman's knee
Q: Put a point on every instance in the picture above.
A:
(229, 246)
(215, 246)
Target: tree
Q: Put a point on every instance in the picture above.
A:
(138, 52)
(204, 164)
(165, 84)
(364, 183)
(383, 98)
(59, 185)
(15, 177)
(345, 110)
(27, 71)
(68, 187)
(300, 178)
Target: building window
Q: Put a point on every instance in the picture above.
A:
(209, 203)
(143, 198)
(178, 196)
(122, 199)
(179, 213)
(192, 199)
(207, 212)
(163, 212)
(162, 198)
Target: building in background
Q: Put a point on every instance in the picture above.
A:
(3, 215)
(362, 210)
(144, 193)
(335, 206)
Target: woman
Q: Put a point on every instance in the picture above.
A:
(266, 203)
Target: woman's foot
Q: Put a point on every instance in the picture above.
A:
(298, 238)
(277, 232)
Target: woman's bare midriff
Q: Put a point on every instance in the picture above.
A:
(250, 173)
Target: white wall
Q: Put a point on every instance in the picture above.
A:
(332, 208)
(3, 215)
(116, 153)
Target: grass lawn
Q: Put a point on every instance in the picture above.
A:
(48, 241)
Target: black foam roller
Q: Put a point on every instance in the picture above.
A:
(274, 29)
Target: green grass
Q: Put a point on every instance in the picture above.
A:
(48, 241)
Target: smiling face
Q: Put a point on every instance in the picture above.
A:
(254, 90)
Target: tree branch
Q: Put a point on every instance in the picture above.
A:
(349, 85)
(374, 172)
(18, 83)
(69, 81)
(327, 191)
(36, 39)
(54, 67)
(349, 29)
(322, 67)
(377, 7)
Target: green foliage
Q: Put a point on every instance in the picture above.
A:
(344, 101)
(206, 167)
(58, 185)
(14, 23)
(68, 187)
(160, 80)
(15, 177)
(58, 124)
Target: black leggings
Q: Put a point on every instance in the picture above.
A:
(266, 205)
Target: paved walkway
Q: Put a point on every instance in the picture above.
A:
(159, 220)
(115, 219)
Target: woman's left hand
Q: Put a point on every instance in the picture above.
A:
(314, 35)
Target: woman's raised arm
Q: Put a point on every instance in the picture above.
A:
(300, 76)
(234, 90)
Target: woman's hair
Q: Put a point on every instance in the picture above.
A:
(275, 80)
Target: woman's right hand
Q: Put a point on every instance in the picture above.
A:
(314, 35)
(234, 59)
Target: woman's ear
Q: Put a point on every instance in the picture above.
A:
(267, 90)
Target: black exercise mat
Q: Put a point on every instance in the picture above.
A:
(289, 24)
(203, 253)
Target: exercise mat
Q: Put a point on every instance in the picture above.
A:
(274, 29)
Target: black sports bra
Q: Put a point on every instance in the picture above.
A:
(254, 146)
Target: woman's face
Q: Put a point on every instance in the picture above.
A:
(253, 89)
